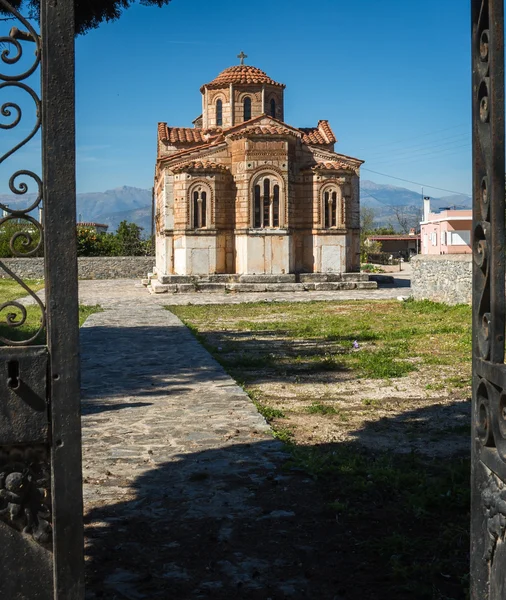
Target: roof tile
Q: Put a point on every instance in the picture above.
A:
(262, 130)
(332, 166)
(241, 75)
(320, 135)
(180, 135)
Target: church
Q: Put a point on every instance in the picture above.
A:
(243, 192)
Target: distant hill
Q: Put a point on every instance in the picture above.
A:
(134, 204)
(110, 207)
(386, 199)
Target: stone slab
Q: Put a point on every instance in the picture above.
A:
(355, 276)
(186, 288)
(286, 278)
(175, 279)
(366, 285)
(160, 288)
(284, 287)
(319, 277)
(246, 287)
(337, 285)
(211, 287)
(224, 278)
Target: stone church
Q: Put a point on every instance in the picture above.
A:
(243, 192)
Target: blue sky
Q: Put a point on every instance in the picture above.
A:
(392, 77)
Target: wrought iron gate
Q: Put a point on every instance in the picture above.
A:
(41, 537)
(488, 527)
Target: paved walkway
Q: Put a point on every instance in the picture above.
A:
(127, 291)
(184, 491)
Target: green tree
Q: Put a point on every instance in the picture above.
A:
(388, 230)
(89, 14)
(91, 243)
(129, 239)
(367, 220)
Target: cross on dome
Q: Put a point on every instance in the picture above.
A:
(242, 56)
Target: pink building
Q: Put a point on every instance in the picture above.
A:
(446, 232)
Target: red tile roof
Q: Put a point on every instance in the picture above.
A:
(198, 165)
(91, 224)
(331, 166)
(241, 75)
(319, 135)
(180, 135)
(262, 130)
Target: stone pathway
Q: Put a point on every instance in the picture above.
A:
(112, 292)
(184, 488)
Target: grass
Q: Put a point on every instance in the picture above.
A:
(405, 517)
(414, 513)
(9, 291)
(393, 340)
(318, 408)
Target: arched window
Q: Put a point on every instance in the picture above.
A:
(266, 202)
(219, 113)
(247, 108)
(273, 107)
(199, 208)
(331, 208)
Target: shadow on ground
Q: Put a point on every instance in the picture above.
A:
(152, 362)
(257, 521)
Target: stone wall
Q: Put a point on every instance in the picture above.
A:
(90, 267)
(442, 278)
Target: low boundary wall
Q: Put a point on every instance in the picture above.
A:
(89, 267)
(444, 278)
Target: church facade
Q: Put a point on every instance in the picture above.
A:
(244, 192)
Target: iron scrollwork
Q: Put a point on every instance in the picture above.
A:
(27, 240)
(489, 373)
(25, 500)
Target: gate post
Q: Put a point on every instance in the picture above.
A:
(41, 534)
(58, 167)
(488, 467)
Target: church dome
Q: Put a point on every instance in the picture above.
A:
(241, 75)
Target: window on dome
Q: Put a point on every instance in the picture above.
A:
(273, 108)
(219, 113)
(266, 202)
(247, 108)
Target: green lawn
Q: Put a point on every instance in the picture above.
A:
(404, 515)
(11, 291)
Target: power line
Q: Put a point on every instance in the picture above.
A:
(428, 144)
(437, 153)
(424, 150)
(420, 136)
(425, 185)
(369, 194)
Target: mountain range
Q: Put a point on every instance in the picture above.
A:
(134, 204)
